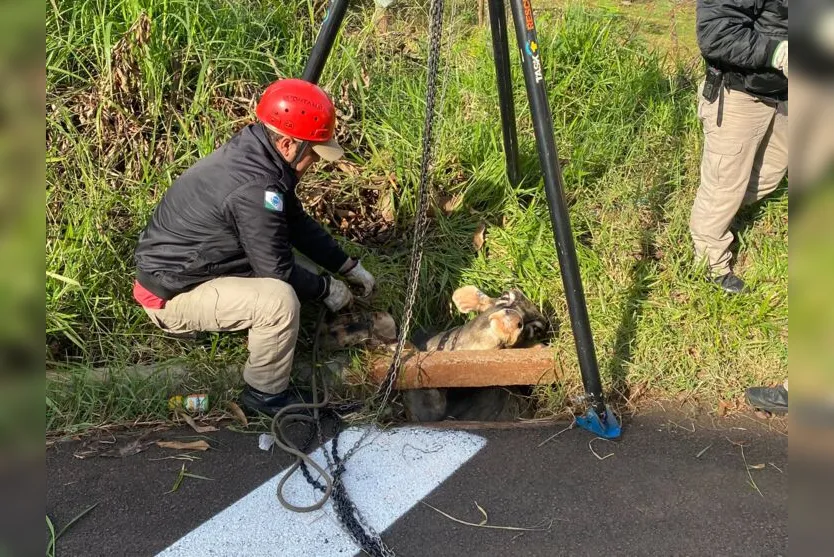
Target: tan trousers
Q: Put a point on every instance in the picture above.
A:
(745, 157)
(268, 308)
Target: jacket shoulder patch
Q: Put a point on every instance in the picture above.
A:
(274, 201)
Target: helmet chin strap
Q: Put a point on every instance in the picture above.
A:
(299, 154)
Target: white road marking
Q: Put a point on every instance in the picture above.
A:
(392, 473)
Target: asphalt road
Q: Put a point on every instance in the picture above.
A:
(670, 487)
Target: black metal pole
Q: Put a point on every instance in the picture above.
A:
(525, 28)
(501, 51)
(324, 42)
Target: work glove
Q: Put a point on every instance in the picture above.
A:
(359, 276)
(780, 58)
(338, 295)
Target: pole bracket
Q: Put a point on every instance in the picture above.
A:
(606, 426)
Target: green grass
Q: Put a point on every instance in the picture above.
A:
(668, 26)
(625, 126)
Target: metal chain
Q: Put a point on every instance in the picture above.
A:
(421, 218)
(348, 514)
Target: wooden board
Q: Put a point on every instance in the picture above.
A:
(472, 368)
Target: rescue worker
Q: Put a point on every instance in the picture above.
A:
(217, 252)
(743, 107)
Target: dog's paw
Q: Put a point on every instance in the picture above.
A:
(384, 327)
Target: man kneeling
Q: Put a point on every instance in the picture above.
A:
(217, 252)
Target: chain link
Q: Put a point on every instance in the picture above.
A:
(421, 219)
(350, 517)
(348, 514)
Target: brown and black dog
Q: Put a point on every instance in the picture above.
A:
(508, 321)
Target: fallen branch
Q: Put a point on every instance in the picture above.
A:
(483, 523)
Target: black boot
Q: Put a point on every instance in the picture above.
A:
(773, 400)
(730, 283)
(259, 401)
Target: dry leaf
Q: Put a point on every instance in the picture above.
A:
(200, 445)
(113, 449)
(198, 428)
(722, 408)
(238, 413)
(347, 168)
(132, 448)
(385, 205)
(448, 203)
(344, 213)
(480, 237)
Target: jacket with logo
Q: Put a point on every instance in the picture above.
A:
(739, 37)
(234, 213)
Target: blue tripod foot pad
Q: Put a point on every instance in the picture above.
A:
(605, 426)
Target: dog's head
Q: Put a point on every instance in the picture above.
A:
(533, 323)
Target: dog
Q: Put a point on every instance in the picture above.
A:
(374, 329)
(508, 321)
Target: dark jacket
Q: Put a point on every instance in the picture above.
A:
(234, 213)
(739, 37)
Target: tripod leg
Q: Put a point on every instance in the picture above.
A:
(498, 27)
(525, 28)
(324, 42)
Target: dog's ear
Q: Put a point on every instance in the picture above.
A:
(469, 298)
(506, 325)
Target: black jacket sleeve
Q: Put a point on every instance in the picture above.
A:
(726, 35)
(265, 237)
(311, 239)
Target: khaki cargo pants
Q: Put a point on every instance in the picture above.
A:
(267, 307)
(745, 157)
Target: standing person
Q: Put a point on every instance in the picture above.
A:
(217, 253)
(743, 107)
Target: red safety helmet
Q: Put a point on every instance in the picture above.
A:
(301, 110)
